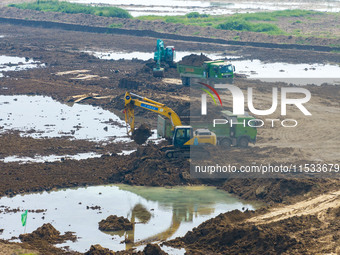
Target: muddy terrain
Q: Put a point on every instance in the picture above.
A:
(301, 215)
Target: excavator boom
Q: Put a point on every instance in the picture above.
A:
(150, 105)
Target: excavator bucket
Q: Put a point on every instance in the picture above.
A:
(158, 72)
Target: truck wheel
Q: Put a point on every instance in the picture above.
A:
(169, 154)
(243, 142)
(186, 81)
(225, 143)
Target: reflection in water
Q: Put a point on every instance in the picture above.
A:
(186, 203)
(158, 213)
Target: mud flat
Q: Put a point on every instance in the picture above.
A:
(315, 141)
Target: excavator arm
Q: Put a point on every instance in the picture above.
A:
(150, 105)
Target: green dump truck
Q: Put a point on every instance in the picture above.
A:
(239, 134)
(210, 72)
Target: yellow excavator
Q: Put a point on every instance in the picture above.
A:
(184, 138)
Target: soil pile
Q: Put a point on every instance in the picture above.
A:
(194, 60)
(47, 233)
(153, 249)
(229, 234)
(98, 250)
(276, 190)
(129, 83)
(141, 134)
(115, 223)
(148, 167)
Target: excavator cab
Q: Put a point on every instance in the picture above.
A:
(182, 134)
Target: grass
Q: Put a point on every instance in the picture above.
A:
(254, 22)
(66, 7)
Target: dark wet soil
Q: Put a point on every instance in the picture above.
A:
(60, 50)
(194, 60)
(141, 134)
(115, 223)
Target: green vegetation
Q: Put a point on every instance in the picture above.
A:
(240, 22)
(242, 25)
(66, 7)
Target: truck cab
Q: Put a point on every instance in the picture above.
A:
(219, 69)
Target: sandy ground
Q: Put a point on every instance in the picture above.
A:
(13, 249)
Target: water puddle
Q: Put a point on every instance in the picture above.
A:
(299, 74)
(126, 152)
(178, 7)
(8, 63)
(40, 117)
(174, 211)
(50, 158)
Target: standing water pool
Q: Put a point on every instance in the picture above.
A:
(174, 211)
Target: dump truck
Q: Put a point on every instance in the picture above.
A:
(240, 134)
(210, 72)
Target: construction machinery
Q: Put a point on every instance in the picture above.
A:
(239, 134)
(184, 137)
(210, 72)
(163, 55)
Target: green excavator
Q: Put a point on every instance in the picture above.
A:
(163, 55)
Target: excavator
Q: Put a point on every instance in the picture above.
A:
(184, 138)
(163, 54)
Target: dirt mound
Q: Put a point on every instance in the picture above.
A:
(129, 83)
(115, 223)
(153, 249)
(147, 166)
(194, 60)
(141, 134)
(98, 250)
(47, 233)
(229, 234)
(277, 190)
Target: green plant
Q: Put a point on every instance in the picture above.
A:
(196, 15)
(66, 7)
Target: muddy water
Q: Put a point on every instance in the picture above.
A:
(174, 211)
(178, 7)
(39, 116)
(8, 63)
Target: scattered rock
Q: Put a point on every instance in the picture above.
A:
(98, 250)
(153, 249)
(48, 233)
(115, 223)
